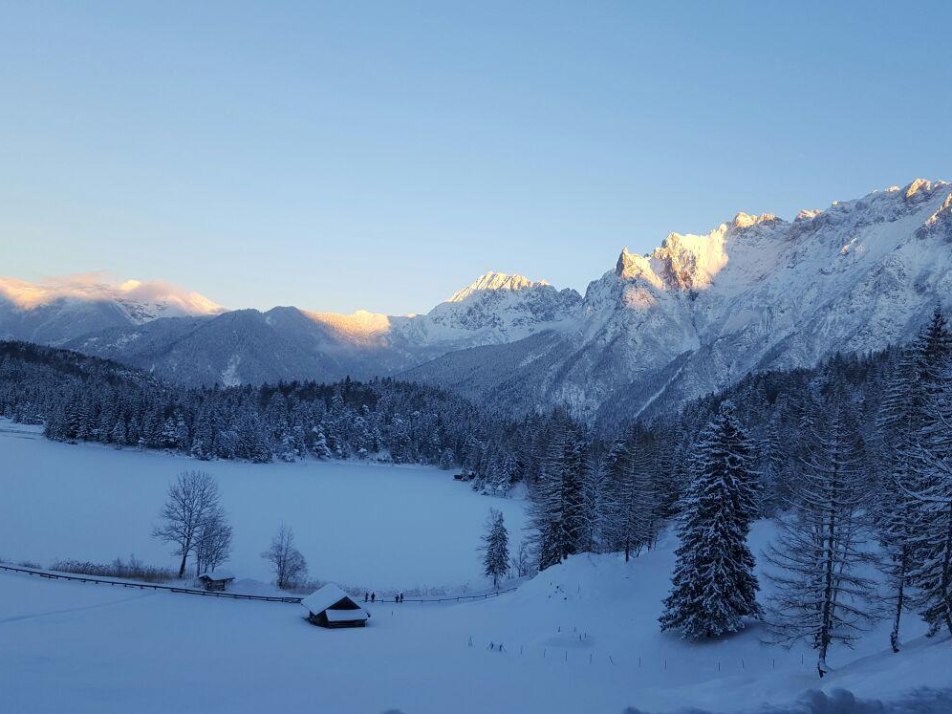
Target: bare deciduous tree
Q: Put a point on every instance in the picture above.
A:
(213, 542)
(289, 566)
(192, 501)
(522, 562)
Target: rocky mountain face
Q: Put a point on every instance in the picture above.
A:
(694, 315)
(756, 293)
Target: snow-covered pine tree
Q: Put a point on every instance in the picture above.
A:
(447, 459)
(557, 510)
(930, 492)
(819, 595)
(635, 492)
(773, 470)
(898, 516)
(596, 507)
(495, 547)
(714, 587)
(618, 527)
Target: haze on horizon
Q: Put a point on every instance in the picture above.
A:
(381, 156)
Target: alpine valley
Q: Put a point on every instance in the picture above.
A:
(694, 316)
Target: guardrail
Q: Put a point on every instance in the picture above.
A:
(227, 595)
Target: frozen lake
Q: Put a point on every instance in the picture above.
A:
(363, 525)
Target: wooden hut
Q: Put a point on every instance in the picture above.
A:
(216, 581)
(332, 607)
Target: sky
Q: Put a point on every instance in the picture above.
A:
(381, 155)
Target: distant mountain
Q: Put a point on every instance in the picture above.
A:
(693, 316)
(286, 343)
(56, 311)
(700, 312)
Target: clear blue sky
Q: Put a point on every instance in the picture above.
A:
(381, 155)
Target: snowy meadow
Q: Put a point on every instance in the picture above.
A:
(581, 636)
(363, 525)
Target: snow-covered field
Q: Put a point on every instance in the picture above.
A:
(580, 637)
(362, 525)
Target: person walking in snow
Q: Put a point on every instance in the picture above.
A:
(373, 597)
(366, 596)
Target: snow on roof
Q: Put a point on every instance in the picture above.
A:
(346, 615)
(320, 600)
(218, 575)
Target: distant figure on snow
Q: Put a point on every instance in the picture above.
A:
(373, 597)
(366, 596)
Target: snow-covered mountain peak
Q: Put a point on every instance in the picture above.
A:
(919, 186)
(140, 300)
(808, 214)
(499, 307)
(745, 220)
(492, 281)
(683, 261)
(631, 266)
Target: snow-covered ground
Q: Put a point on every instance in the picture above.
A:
(580, 637)
(363, 525)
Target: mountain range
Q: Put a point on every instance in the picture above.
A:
(693, 316)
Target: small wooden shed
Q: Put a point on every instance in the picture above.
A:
(332, 607)
(216, 580)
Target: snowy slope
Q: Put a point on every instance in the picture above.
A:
(581, 637)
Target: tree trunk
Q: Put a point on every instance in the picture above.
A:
(826, 627)
(946, 592)
(185, 549)
(900, 600)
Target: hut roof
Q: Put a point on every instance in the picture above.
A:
(320, 600)
(217, 575)
(347, 615)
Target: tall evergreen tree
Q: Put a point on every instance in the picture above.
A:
(495, 547)
(557, 508)
(898, 517)
(931, 490)
(714, 588)
(819, 595)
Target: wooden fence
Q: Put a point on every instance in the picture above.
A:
(227, 595)
(145, 586)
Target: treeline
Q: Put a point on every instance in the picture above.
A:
(78, 398)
